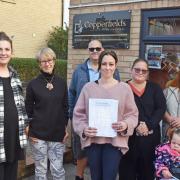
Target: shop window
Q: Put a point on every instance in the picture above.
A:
(159, 55)
(160, 38)
(164, 26)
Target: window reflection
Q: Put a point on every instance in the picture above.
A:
(164, 26)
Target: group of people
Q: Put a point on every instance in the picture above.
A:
(141, 106)
(43, 116)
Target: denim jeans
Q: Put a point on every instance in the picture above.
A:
(103, 161)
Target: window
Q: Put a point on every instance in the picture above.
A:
(164, 26)
(160, 37)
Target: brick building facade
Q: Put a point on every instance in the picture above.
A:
(29, 22)
(139, 40)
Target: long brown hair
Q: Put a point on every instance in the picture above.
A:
(107, 53)
(5, 37)
(175, 82)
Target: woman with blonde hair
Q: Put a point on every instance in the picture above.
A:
(47, 109)
(172, 115)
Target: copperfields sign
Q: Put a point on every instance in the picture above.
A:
(112, 28)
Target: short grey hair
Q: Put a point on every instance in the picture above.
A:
(95, 40)
(45, 53)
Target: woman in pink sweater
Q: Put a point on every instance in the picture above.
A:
(104, 153)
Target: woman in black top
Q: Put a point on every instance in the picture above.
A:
(47, 109)
(137, 164)
(12, 114)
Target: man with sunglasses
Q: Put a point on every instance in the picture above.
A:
(86, 72)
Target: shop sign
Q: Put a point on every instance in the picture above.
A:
(111, 28)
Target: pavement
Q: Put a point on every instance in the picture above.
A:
(70, 168)
(70, 173)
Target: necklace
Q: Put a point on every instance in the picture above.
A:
(49, 84)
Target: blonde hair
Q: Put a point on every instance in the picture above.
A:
(175, 82)
(171, 131)
(45, 53)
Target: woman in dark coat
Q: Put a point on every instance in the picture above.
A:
(137, 164)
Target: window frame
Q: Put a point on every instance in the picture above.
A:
(156, 40)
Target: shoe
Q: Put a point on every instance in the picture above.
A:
(78, 178)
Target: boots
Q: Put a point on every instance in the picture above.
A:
(78, 178)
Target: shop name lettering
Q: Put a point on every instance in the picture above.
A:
(79, 27)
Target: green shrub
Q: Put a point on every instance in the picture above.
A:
(28, 68)
(58, 41)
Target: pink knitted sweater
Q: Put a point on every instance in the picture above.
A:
(127, 111)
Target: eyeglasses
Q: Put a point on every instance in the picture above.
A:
(140, 71)
(49, 61)
(96, 48)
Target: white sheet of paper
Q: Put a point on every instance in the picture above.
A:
(102, 113)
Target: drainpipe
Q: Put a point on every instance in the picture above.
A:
(62, 13)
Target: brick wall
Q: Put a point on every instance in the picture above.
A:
(29, 21)
(126, 57)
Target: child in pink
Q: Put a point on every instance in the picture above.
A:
(167, 161)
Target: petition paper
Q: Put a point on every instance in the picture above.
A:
(102, 113)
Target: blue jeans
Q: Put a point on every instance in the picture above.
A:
(103, 161)
(54, 151)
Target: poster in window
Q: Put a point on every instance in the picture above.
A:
(153, 56)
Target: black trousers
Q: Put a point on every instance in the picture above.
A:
(138, 162)
(8, 171)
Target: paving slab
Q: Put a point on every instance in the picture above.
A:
(70, 173)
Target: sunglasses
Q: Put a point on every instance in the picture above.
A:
(140, 71)
(96, 48)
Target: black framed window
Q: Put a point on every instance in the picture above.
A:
(160, 37)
